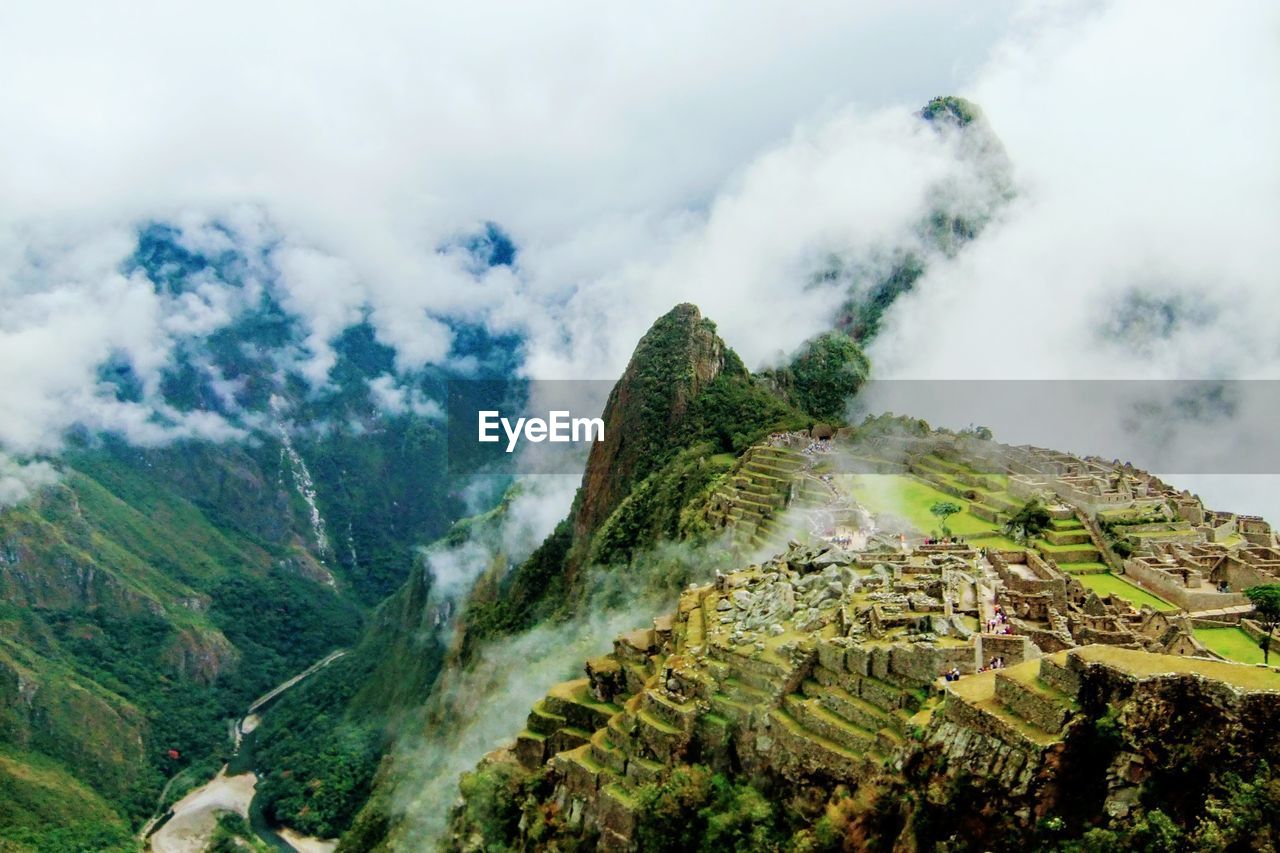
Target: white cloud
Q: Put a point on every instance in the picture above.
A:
(642, 157)
(1142, 243)
(352, 145)
(396, 399)
(18, 481)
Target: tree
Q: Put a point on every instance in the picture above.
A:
(1266, 605)
(944, 510)
(1028, 522)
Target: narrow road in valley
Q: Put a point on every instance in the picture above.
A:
(189, 825)
(280, 688)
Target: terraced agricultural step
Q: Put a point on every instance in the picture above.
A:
(813, 716)
(1016, 725)
(797, 740)
(620, 729)
(542, 721)
(748, 686)
(885, 696)
(607, 754)
(853, 708)
(643, 771)
(888, 741)
(1021, 690)
(1006, 503)
(780, 473)
(574, 701)
(672, 713)
(531, 749)
(972, 703)
(583, 775)
(1067, 553)
(733, 709)
(648, 720)
(763, 507)
(568, 738)
(695, 628)
(785, 464)
(749, 486)
(1084, 568)
(1067, 537)
(1054, 673)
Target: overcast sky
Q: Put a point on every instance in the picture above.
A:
(639, 156)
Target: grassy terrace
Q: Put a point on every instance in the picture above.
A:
(994, 540)
(910, 499)
(1231, 643)
(1084, 568)
(1109, 584)
(1145, 663)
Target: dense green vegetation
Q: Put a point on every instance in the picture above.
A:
(43, 808)
(149, 615)
(735, 412)
(234, 835)
(950, 108)
(660, 384)
(280, 624)
(319, 762)
(655, 509)
(695, 809)
(823, 376)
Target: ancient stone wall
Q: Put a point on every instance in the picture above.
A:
(1170, 588)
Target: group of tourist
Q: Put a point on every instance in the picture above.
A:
(999, 622)
(944, 540)
(953, 674)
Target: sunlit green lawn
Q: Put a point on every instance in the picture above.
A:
(908, 498)
(1109, 584)
(1231, 643)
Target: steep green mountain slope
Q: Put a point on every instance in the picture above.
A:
(135, 624)
(151, 593)
(682, 411)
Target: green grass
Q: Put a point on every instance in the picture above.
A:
(1064, 549)
(910, 499)
(995, 540)
(1231, 643)
(1146, 663)
(1109, 584)
(1075, 568)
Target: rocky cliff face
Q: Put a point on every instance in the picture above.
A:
(677, 358)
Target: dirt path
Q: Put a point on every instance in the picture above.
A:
(196, 814)
(304, 844)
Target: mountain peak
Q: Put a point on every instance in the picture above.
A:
(679, 356)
